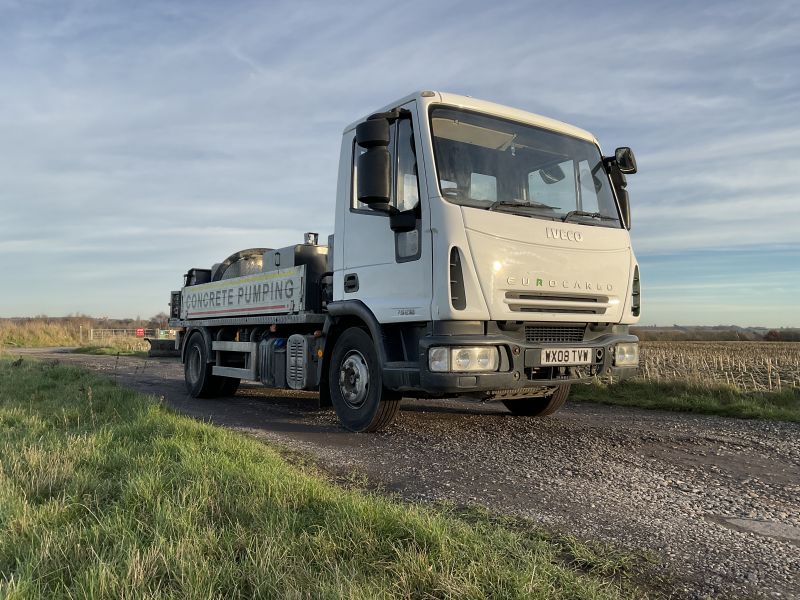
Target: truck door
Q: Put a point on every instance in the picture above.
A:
(390, 272)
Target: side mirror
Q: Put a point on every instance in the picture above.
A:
(619, 182)
(373, 133)
(625, 160)
(374, 165)
(403, 221)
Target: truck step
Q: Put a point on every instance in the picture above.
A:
(234, 346)
(248, 374)
(249, 348)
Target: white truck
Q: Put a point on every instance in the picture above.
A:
(478, 251)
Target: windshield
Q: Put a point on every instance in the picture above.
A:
(490, 163)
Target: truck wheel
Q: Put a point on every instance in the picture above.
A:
(539, 407)
(200, 383)
(356, 384)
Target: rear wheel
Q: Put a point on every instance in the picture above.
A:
(355, 382)
(200, 383)
(539, 407)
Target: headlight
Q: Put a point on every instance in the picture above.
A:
(439, 360)
(626, 354)
(442, 359)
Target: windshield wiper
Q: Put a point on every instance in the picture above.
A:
(583, 213)
(517, 203)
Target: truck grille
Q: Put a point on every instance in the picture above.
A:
(554, 335)
(550, 303)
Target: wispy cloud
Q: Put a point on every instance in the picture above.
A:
(154, 136)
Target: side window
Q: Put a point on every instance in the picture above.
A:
(405, 188)
(407, 195)
(404, 169)
(354, 203)
(357, 151)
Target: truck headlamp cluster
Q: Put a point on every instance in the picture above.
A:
(461, 359)
(626, 354)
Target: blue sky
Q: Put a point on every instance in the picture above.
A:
(140, 138)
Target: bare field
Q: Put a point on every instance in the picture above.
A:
(747, 366)
(743, 365)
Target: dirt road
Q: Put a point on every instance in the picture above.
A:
(717, 500)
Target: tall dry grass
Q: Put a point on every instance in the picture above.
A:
(747, 366)
(40, 333)
(748, 380)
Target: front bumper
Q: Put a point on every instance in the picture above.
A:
(520, 366)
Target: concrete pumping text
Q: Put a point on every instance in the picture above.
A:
(245, 295)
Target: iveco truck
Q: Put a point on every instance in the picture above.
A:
(478, 251)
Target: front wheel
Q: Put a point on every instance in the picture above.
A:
(539, 407)
(356, 384)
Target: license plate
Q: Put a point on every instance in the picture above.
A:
(566, 356)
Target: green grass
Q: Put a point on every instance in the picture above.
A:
(112, 349)
(105, 493)
(122, 345)
(721, 400)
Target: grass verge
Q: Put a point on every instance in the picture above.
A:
(105, 493)
(686, 397)
(112, 349)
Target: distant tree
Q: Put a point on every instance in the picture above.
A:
(158, 321)
(773, 335)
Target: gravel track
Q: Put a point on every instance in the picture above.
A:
(716, 500)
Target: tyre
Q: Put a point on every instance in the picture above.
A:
(539, 407)
(355, 382)
(227, 386)
(200, 383)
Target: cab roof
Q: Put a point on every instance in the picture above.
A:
(427, 98)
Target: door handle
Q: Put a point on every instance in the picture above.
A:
(351, 282)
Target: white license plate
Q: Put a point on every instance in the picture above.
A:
(566, 356)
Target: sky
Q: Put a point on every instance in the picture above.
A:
(138, 139)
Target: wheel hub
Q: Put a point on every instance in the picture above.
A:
(354, 379)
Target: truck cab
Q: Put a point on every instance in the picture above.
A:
(495, 257)
(479, 250)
